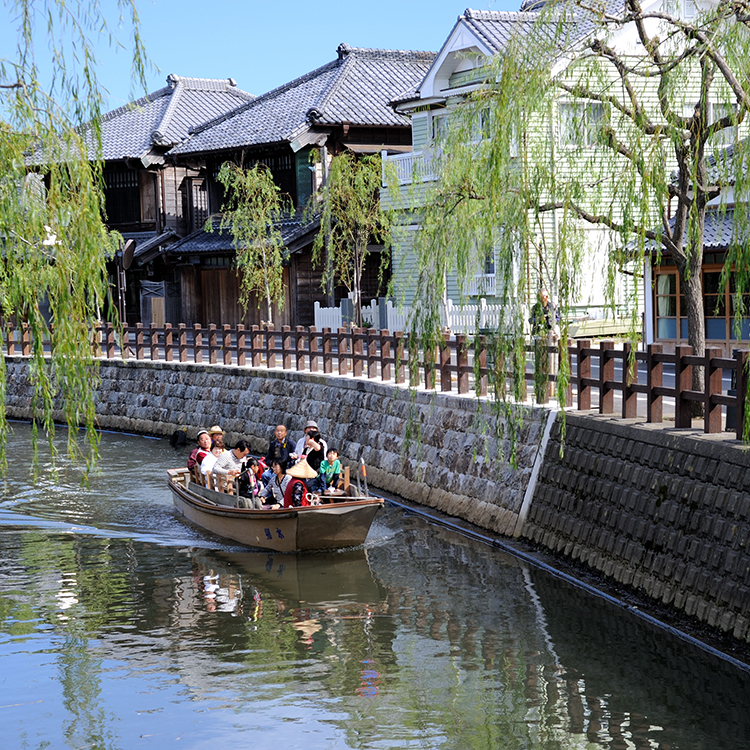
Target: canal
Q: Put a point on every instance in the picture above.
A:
(122, 627)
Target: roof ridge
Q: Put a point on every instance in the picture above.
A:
(344, 50)
(343, 63)
(272, 94)
(158, 134)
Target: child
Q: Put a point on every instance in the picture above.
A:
(330, 469)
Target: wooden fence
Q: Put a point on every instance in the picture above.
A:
(459, 364)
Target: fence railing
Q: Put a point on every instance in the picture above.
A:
(603, 374)
(461, 318)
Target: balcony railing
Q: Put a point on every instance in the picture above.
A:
(414, 167)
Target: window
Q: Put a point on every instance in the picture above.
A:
(581, 122)
(725, 312)
(122, 197)
(439, 127)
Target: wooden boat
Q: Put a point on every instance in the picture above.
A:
(343, 522)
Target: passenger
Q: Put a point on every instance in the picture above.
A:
(299, 448)
(249, 480)
(330, 470)
(230, 463)
(276, 488)
(215, 431)
(217, 448)
(278, 449)
(314, 452)
(201, 451)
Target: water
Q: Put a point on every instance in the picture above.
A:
(122, 627)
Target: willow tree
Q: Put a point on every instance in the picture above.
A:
(54, 241)
(592, 116)
(351, 218)
(253, 210)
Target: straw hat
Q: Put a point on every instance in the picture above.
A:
(302, 470)
(216, 430)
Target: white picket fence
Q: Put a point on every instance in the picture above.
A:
(458, 318)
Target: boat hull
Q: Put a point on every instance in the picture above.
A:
(317, 527)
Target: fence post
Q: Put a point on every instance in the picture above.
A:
(168, 343)
(327, 351)
(462, 363)
(182, 342)
(606, 373)
(398, 355)
(286, 348)
(683, 381)
(139, 340)
(741, 363)
(110, 341)
(357, 352)
(314, 349)
(629, 376)
(480, 356)
(569, 349)
(197, 343)
(226, 344)
(430, 355)
(125, 346)
(446, 381)
(154, 341)
(213, 344)
(386, 353)
(240, 345)
(654, 372)
(299, 347)
(343, 368)
(10, 339)
(372, 353)
(25, 340)
(584, 371)
(713, 375)
(256, 346)
(270, 335)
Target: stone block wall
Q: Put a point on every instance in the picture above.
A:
(664, 512)
(435, 449)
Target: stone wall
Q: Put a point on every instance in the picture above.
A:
(429, 448)
(664, 512)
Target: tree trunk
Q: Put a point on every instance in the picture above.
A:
(692, 292)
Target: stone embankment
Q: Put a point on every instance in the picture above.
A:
(664, 512)
(431, 449)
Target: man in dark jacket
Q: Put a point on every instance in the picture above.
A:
(280, 450)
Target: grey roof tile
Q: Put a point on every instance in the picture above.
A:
(718, 232)
(356, 88)
(164, 117)
(221, 241)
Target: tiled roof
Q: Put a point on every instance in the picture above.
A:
(355, 88)
(221, 241)
(496, 28)
(164, 117)
(717, 234)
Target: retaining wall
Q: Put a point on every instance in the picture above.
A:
(664, 512)
(429, 448)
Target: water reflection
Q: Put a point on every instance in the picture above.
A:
(119, 628)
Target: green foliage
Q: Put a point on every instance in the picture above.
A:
(54, 241)
(575, 127)
(351, 218)
(253, 209)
